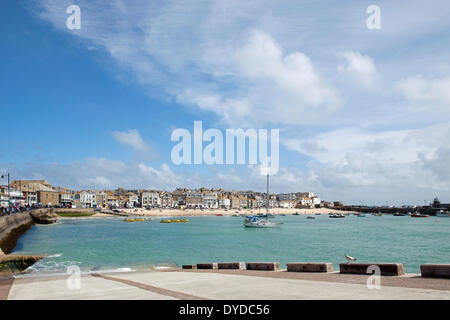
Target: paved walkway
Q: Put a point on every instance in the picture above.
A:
(192, 285)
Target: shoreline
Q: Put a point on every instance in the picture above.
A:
(215, 212)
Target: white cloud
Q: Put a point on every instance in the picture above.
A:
(434, 93)
(267, 86)
(359, 66)
(258, 63)
(131, 138)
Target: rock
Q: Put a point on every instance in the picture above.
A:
(1, 253)
(14, 263)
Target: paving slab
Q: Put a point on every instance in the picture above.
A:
(92, 288)
(215, 285)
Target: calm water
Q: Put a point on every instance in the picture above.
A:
(110, 243)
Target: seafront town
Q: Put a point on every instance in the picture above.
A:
(33, 193)
(20, 195)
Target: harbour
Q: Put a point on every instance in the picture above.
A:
(110, 243)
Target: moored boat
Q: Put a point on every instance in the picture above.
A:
(442, 213)
(419, 215)
(336, 215)
(261, 221)
(255, 222)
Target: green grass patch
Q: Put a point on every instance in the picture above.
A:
(75, 214)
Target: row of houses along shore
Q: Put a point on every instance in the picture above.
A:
(42, 193)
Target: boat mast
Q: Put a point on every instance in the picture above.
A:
(267, 203)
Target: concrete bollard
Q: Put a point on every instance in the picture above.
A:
(264, 266)
(207, 265)
(386, 269)
(310, 267)
(188, 266)
(231, 265)
(430, 270)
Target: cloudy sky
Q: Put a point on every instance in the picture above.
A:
(363, 114)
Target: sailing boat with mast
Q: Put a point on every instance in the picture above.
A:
(259, 222)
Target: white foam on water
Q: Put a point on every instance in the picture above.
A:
(118, 270)
(56, 255)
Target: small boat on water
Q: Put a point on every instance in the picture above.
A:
(135, 219)
(310, 217)
(255, 222)
(174, 220)
(261, 220)
(296, 214)
(336, 215)
(218, 214)
(419, 215)
(442, 213)
(361, 215)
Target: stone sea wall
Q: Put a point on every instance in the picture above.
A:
(11, 228)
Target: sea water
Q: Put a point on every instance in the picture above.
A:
(98, 244)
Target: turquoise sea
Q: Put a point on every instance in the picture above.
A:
(111, 244)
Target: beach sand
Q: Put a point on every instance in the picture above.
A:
(213, 212)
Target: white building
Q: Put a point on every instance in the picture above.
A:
(305, 202)
(288, 204)
(150, 199)
(65, 198)
(316, 201)
(86, 198)
(224, 202)
(210, 200)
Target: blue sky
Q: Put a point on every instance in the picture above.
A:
(363, 114)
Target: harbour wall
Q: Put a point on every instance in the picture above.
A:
(14, 225)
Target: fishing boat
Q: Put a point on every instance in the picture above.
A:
(419, 215)
(261, 221)
(442, 213)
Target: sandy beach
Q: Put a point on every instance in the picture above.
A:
(213, 212)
